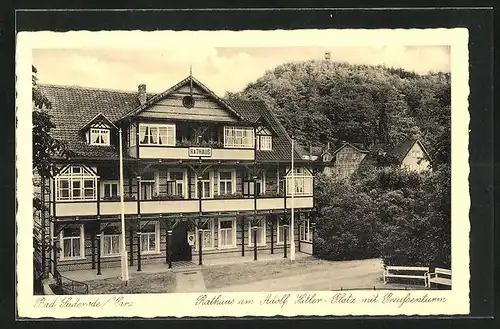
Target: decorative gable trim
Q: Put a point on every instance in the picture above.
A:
(172, 89)
(99, 121)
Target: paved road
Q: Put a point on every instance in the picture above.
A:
(324, 276)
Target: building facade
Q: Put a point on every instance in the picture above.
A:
(203, 177)
(347, 158)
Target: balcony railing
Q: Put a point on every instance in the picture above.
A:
(185, 153)
(107, 207)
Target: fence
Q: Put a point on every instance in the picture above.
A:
(380, 288)
(67, 286)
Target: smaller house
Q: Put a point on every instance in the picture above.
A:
(412, 155)
(409, 154)
(347, 158)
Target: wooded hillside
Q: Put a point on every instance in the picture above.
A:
(403, 217)
(321, 101)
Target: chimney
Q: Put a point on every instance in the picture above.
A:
(141, 93)
(328, 146)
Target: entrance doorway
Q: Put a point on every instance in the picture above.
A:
(181, 250)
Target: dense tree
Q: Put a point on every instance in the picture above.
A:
(324, 101)
(45, 146)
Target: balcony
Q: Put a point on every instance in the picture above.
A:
(86, 208)
(186, 153)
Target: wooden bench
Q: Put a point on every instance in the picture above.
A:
(440, 276)
(410, 272)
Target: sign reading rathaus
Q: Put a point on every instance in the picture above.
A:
(200, 152)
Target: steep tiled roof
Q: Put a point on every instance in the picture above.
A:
(402, 149)
(73, 107)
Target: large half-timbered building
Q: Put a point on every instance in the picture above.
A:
(203, 177)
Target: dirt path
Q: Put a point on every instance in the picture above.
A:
(324, 276)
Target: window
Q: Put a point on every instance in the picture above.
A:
(150, 238)
(265, 143)
(76, 183)
(261, 233)
(280, 233)
(260, 185)
(302, 180)
(132, 134)
(238, 137)
(147, 189)
(206, 186)
(175, 183)
(110, 190)
(227, 182)
(304, 233)
(110, 242)
(227, 234)
(207, 235)
(156, 134)
(72, 246)
(99, 136)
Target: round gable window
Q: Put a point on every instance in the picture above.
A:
(188, 101)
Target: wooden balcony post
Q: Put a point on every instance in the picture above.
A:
(55, 254)
(271, 224)
(99, 252)
(313, 226)
(242, 236)
(131, 245)
(255, 243)
(98, 203)
(200, 246)
(139, 249)
(169, 246)
(138, 195)
(200, 186)
(285, 233)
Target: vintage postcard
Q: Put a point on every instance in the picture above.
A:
(262, 173)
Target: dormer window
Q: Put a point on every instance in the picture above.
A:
(99, 136)
(265, 143)
(98, 130)
(264, 139)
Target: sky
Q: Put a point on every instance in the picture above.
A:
(221, 69)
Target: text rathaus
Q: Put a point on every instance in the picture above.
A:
(204, 177)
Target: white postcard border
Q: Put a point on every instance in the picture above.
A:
(180, 305)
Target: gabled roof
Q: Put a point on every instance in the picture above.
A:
(357, 147)
(73, 105)
(190, 79)
(399, 151)
(97, 118)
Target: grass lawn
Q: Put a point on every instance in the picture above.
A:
(223, 275)
(140, 283)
